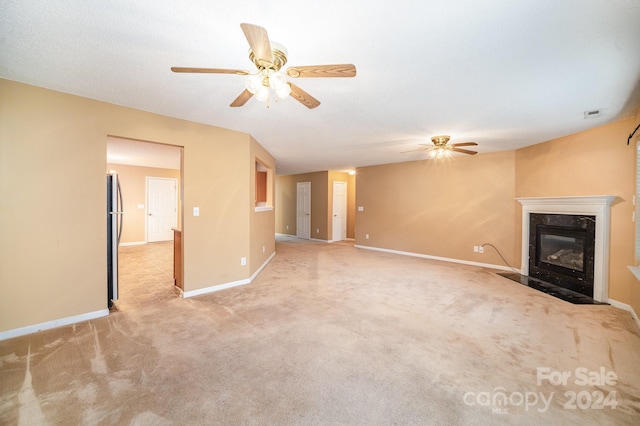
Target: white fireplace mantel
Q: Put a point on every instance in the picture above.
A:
(598, 206)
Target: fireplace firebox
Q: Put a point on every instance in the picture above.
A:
(561, 250)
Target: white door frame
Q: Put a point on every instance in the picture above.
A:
(339, 233)
(303, 210)
(147, 213)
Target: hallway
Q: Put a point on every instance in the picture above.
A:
(146, 275)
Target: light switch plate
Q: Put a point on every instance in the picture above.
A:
(196, 211)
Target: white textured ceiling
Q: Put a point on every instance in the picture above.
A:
(503, 73)
(147, 154)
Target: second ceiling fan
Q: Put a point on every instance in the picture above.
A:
(269, 58)
(440, 148)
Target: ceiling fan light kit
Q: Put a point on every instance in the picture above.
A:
(440, 152)
(269, 58)
(440, 147)
(260, 83)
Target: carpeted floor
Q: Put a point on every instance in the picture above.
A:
(331, 334)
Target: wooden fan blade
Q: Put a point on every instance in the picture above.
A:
(338, 70)
(209, 70)
(259, 43)
(415, 150)
(303, 97)
(464, 151)
(464, 144)
(242, 99)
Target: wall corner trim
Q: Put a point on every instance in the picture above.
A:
(627, 308)
(23, 331)
(218, 287)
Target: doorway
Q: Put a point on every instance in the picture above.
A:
(339, 223)
(151, 175)
(303, 210)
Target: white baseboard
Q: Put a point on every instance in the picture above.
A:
(218, 287)
(17, 332)
(320, 241)
(443, 259)
(264, 265)
(133, 243)
(627, 308)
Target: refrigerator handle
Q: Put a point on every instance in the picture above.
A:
(120, 210)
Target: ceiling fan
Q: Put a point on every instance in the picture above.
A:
(269, 58)
(441, 149)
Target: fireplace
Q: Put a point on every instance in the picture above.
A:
(561, 250)
(563, 243)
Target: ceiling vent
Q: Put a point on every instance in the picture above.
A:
(592, 114)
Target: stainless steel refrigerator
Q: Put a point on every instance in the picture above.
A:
(114, 232)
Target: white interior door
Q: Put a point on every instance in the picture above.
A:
(162, 208)
(339, 224)
(303, 210)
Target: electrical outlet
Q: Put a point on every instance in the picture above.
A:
(243, 261)
(480, 249)
(263, 249)
(366, 236)
(475, 249)
(317, 230)
(287, 228)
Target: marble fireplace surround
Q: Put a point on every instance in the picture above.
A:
(598, 206)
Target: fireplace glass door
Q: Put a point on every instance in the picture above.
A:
(560, 249)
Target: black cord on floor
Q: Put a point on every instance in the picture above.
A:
(501, 256)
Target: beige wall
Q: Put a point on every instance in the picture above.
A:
(351, 208)
(440, 208)
(286, 194)
(134, 193)
(52, 180)
(595, 162)
(262, 244)
(321, 203)
(285, 207)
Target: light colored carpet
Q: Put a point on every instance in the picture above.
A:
(331, 334)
